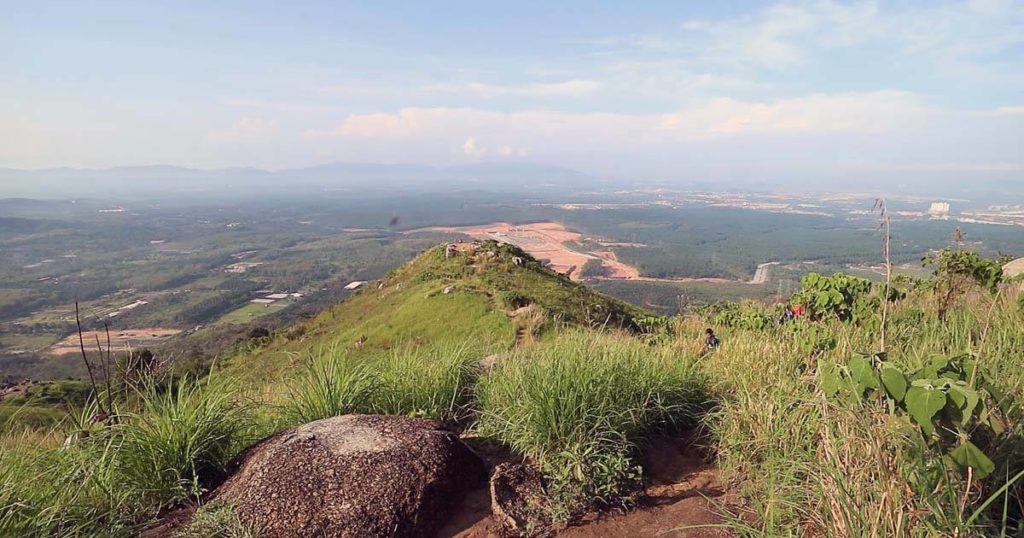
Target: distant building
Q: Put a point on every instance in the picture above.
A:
(277, 296)
(355, 285)
(939, 210)
(262, 301)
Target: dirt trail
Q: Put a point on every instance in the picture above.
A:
(680, 502)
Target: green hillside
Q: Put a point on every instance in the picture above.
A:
(497, 295)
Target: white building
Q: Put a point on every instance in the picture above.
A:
(939, 210)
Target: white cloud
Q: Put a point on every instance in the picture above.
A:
(787, 34)
(568, 88)
(469, 148)
(871, 112)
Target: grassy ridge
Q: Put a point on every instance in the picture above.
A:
(410, 305)
(577, 403)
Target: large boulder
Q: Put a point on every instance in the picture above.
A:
(352, 476)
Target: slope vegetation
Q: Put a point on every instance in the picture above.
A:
(493, 295)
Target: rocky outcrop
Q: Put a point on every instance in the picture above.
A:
(352, 476)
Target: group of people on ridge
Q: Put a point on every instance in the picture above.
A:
(791, 312)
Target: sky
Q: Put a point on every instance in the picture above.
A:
(820, 90)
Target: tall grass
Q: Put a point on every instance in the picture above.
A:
(179, 436)
(330, 384)
(579, 403)
(430, 382)
(49, 491)
(808, 465)
(110, 480)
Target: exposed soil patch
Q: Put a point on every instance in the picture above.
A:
(546, 241)
(680, 500)
(119, 340)
(613, 268)
(549, 243)
(473, 519)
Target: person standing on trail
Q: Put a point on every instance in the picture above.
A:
(710, 340)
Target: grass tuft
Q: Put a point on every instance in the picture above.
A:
(331, 383)
(431, 382)
(577, 405)
(180, 436)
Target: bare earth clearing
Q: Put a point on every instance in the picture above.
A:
(548, 242)
(120, 340)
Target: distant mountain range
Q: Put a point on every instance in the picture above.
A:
(163, 181)
(172, 180)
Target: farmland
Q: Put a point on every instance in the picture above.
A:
(196, 267)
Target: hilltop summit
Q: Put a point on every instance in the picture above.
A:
(494, 294)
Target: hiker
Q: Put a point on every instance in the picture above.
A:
(710, 340)
(787, 315)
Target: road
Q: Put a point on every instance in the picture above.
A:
(761, 275)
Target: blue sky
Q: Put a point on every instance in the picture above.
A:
(667, 90)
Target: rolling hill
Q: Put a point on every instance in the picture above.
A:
(492, 294)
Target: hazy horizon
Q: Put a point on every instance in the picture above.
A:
(818, 91)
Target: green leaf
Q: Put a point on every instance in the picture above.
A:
(965, 399)
(894, 381)
(923, 404)
(862, 372)
(828, 378)
(938, 363)
(970, 365)
(968, 455)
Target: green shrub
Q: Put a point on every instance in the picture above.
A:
(839, 296)
(949, 399)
